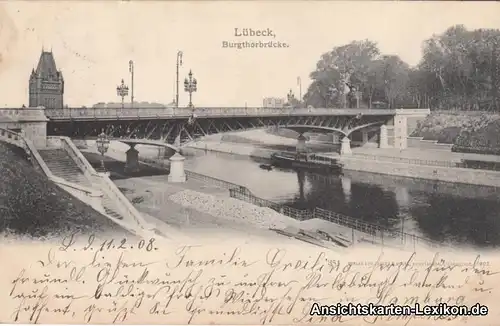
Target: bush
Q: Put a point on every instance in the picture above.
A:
(484, 140)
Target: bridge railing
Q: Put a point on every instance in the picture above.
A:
(169, 112)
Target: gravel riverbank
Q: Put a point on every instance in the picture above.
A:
(233, 209)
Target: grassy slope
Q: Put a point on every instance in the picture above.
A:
(468, 131)
(32, 205)
(446, 126)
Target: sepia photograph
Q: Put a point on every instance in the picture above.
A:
(250, 162)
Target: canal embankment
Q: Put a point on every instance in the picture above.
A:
(448, 167)
(308, 224)
(238, 210)
(444, 173)
(203, 207)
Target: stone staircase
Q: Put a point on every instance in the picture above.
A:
(109, 208)
(62, 165)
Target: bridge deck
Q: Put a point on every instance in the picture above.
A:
(184, 113)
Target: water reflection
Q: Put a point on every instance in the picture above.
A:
(346, 187)
(441, 211)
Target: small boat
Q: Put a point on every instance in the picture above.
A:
(267, 167)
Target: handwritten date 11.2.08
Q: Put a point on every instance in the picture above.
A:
(93, 244)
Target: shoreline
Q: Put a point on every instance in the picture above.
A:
(357, 163)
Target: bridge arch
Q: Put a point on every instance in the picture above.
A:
(346, 133)
(147, 142)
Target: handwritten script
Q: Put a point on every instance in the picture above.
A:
(115, 281)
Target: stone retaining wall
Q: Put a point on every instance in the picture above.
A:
(458, 175)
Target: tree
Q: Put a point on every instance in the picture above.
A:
(463, 67)
(459, 69)
(394, 78)
(348, 63)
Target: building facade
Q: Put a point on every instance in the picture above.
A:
(46, 84)
(273, 102)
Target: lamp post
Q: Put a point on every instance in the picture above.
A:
(330, 94)
(299, 83)
(190, 86)
(122, 91)
(179, 63)
(131, 70)
(290, 96)
(102, 146)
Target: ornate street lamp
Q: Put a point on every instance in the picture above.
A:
(290, 96)
(122, 91)
(179, 63)
(330, 94)
(190, 86)
(102, 143)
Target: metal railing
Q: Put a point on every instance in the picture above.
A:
(407, 160)
(377, 232)
(170, 112)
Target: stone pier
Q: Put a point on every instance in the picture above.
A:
(30, 122)
(177, 174)
(345, 146)
(162, 151)
(364, 134)
(132, 163)
(383, 142)
(335, 138)
(301, 144)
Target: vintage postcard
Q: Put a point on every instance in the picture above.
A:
(253, 162)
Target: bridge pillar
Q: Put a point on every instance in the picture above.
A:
(345, 146)
(177, 169)
(301, 144)
(335, 138)
(402, 196)
(161, 152)
(132, 163)
(383, 142)
(364, 133)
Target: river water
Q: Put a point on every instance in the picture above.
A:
(452, 213)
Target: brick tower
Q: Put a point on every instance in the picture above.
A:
(46, 85)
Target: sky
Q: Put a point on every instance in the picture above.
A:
(93, 42)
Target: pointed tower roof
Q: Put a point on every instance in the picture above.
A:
(46, 65)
